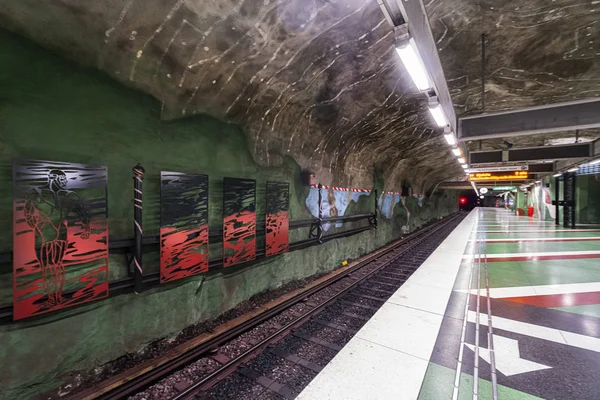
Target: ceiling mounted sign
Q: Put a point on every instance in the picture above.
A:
(504, 188)
(501, 169)
(498, 176)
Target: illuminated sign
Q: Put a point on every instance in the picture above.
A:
(504, 188)
(498, 176)
(501, 169)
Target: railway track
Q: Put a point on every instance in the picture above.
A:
(274, 354)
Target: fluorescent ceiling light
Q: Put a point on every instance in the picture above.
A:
(462, 160)
(414, 65)
(438, 115)
(573, 169)
(595, 162)
(557, 175)
(538, 181)
(457, 152)
(450, 139)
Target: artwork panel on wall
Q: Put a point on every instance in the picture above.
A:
(239, 221)
(183, 225)
(334, 202)
(60, 236)
(277, 218)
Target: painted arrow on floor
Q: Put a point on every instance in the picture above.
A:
(508, 357)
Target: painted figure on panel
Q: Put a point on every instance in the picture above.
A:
(60, 236)
(46, 211)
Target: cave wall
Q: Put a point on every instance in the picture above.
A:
(316, 80)
(52, 109)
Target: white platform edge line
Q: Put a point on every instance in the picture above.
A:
(458, 238)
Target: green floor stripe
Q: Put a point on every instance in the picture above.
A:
(439, 384)
(592, 310)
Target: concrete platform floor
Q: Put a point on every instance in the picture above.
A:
(507, 307)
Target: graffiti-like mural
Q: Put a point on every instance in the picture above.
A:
(387, 202)
(276, 218)
(334, 201)
(60, 236)
(184, 225)
(239, 221)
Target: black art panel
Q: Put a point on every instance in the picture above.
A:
(277, 221)
(184, 225)
(239, 221)
(60, 236)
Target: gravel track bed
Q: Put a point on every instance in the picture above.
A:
(299, 308)
(327, 293)
(296, 377)
(374, 293)
(331, 335)
(165, 389)
(357, 310)
(84, 379)
(284, 318)
(307, 350)
(283, 371)
(235, 347)
(342, 320)
(387, 273)
(395, 282)
(363, 301)
(237, 387)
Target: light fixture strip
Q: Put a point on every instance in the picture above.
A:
(450, 138)
(438, 115)
(414, 64)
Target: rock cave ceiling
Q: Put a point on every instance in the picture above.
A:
(537, 52)
(319, 80)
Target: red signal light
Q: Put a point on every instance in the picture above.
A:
(463, 200)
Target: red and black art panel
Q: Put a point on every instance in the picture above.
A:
(60, 236)
(184, 225)
(277, 222)
(239, 221)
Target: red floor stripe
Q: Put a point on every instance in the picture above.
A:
(558, 300)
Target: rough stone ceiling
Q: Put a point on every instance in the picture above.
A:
(315, 79)
(537, 52)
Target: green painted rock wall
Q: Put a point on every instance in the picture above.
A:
(55, 110)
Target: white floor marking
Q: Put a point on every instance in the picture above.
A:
(545, 239)
(368, 368)
(540, 254)
(508, 357)
(512, 230)
(522, 291)
(543, 332)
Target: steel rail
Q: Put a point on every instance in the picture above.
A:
(215, 376)
(128, 387)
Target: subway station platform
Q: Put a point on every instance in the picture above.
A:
(506, 307)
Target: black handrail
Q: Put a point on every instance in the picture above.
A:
(153, 279)
(215, 235)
